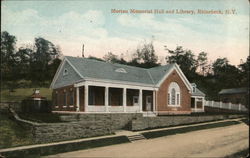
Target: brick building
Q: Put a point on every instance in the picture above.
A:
(91, 86)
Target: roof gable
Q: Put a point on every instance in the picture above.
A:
(82, 68)
(234, 90)
(90, 68)
(66, 75)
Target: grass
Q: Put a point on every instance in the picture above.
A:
(22, 93)
(156, 134)
(13, 134)
(42, 117)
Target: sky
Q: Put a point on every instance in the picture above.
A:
(70, 24)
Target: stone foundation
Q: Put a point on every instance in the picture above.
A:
(166, 121)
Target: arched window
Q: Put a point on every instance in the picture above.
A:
(173, 94)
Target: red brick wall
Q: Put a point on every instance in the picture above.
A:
(162, 94)
(59, 92)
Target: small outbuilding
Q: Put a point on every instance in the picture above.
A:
(235, 96)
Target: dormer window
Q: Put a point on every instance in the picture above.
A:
(122, 70)
(65, 72)
(194, 89)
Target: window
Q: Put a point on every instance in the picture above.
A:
(173, 98)
(65, 72)
(56, 98)
(64, 99)
(122, 70)
(178, 99)
(135, 100)
(193, 89)
(71, 98)
(168, 98)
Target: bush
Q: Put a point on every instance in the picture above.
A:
(36, 106)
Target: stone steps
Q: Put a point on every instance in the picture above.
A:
(136, 137)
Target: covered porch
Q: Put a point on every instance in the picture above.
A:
(197, 103)
(99, 97)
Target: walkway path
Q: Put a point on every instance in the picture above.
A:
(216, 142)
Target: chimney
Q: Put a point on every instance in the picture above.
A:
(83, 50)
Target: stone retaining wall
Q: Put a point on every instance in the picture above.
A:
(166, 121)
(80, 126)
(115, 120)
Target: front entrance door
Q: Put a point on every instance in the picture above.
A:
(81, 98)
(149, 103)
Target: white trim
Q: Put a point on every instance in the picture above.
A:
(56, 106)
(111, 84)
(176, 87)
(124, 99)
(57, 73)
(140, 99)
(64, 106)
(106, 100)
(86, 97)
(187, 83)
(164, 78)
(71, 106)
(180, 73)
(74, 67)
(77, 99)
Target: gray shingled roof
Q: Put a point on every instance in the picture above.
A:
(234, 91)
(197, 92)
(103, 70)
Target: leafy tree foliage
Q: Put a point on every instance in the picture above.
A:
(37, 63)
(202, 63)
(8, 53)
(44, 52)
(185, 59)
(145, 56)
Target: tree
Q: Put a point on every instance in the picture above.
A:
(202, 63)
(219, 66)
(23, 62)
(185, 59)
(244, 72)
(110, 57)
(44, 53)
(145, 56)
(95, 58)
(8, 63)
(8, 53)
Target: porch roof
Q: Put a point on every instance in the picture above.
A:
(91, 68)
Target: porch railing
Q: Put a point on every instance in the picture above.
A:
(229, 106)
(94, 108)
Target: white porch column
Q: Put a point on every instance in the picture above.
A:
(195, 104)
(154, 101)
(106, 98)
(86, 97)
(124, 99)
(203, 103)
(140, 99)
(77, 99)
(239, 107)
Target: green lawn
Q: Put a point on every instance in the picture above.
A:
(21, 93)
(12, 133)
